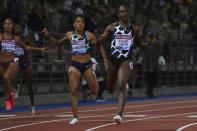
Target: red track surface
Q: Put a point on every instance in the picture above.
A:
(179, 114)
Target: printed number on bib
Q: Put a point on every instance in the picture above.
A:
(8, 47)
(79, 46)
(123, 42)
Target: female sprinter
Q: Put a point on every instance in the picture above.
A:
(8, 43)
(123, 36)
(80, 64)
(23, 66)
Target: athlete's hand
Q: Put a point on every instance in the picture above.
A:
(44, 48)
(45, 32)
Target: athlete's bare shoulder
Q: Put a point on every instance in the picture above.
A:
(68, 35)
(110, 27)
(91, 37)
(89, 33)
(108, 30)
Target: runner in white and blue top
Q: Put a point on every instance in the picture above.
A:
(23, 65)
(18, 52)
(21, 56)
(80, 45)
(80, 42)
(124, 36)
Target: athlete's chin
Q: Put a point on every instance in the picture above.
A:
(80, 29)
(125, 19)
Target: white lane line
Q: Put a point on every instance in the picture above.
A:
(33, 116)
(109, 108)
(44, 122)
(99, 116)
(7, 116)
(147, 118)
(183, 127)
(135, 115)
(13, 127)
(63, 116)
(144, 105)
(192, 116)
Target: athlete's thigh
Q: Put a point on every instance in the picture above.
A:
(124, 71)
(111, 76)
(1, 71)
(74, 77)
(28, 74)
(12, 71)
(90, 78)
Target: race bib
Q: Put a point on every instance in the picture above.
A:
(123, 42)
(19, 51)
(79, 47)
(8, 46)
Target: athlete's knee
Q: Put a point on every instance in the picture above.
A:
(73, 91)
(121, 86)
(6, 77)
(95, 90)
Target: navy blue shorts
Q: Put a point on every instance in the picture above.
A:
(23, 65)
(82, 67)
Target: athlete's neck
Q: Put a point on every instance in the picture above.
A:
(123, 24)
(7, 34)
(79, 32)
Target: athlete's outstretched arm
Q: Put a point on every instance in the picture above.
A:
(29, 48)
(137, 40)
(54, 41)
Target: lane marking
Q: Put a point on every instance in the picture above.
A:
(109, 124)
(7, 115)
(109, 108)
(32, 124)
(144, 105)
(193, 116)
(63, 116)
(43, 122)
(135, 115)
(183, 127)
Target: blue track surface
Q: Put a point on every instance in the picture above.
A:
(56, 106)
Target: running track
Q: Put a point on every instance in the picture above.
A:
(172, 113)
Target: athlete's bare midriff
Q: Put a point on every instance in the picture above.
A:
(6, 57)
(81, 58)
